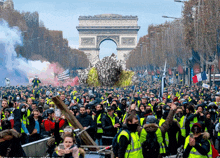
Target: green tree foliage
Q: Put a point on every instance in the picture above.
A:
(125, 79)
(93, 79)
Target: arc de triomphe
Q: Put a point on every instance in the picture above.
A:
(93, 30)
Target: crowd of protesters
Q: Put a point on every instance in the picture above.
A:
(150, 126)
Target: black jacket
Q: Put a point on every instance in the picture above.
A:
(107, 126)
(86, 121)
(17, 120)
(15, 145)
(31, 125)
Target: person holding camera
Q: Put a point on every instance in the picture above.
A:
(25, 112)
(110, 125)
(197, 144)
(68, 148)
(198, 116)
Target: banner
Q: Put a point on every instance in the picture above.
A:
(180, 69)
(196, 68)
(170, 72)
(205, 86)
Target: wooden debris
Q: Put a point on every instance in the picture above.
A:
(74, 122)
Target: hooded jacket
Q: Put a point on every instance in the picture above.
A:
(202, 145)
(164, 127)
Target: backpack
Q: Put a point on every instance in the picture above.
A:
(151, 147)
(115, 144)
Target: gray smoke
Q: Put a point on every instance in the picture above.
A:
(9, 63)
(18, 69)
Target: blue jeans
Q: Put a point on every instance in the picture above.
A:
(98, 141)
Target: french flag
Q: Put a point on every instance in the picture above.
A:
(199, 77)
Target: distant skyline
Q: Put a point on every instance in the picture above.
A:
(63, 15)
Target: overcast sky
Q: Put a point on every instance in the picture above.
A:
(63, 15)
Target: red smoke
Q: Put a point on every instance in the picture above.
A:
(49, 76)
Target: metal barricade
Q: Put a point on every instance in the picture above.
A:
(36, 148)
(171, 156)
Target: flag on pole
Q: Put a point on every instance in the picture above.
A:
(199, 77)
(64, 75)
(204, 76)
(195, 79)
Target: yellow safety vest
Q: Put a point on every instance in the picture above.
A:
(219, 132)
(25, 121)
(142, 121)
(3, 115)
(124, 117)
(112, 119)
(158, 132)
(134, 149)
(190, 99)
(166, 134)
(182, 126)
(195, 120)
(98, 121)
(194, 153)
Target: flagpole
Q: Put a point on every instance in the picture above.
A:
(162, 80)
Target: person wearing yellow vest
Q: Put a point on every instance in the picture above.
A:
(130, 148)
(152, 131)
(197, 117)
(4, 106)
(173, 139)
(110, 125)
(99, 114)
(197, 144)
(25, 113)
(36, 81)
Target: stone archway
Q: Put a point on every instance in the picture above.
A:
(93, 30)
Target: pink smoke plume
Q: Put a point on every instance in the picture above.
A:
(48, 76)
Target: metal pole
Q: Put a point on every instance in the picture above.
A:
(210, 81)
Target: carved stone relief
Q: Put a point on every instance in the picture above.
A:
(128, 41)
(107, 32)
(87, 41)
(101, 38)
